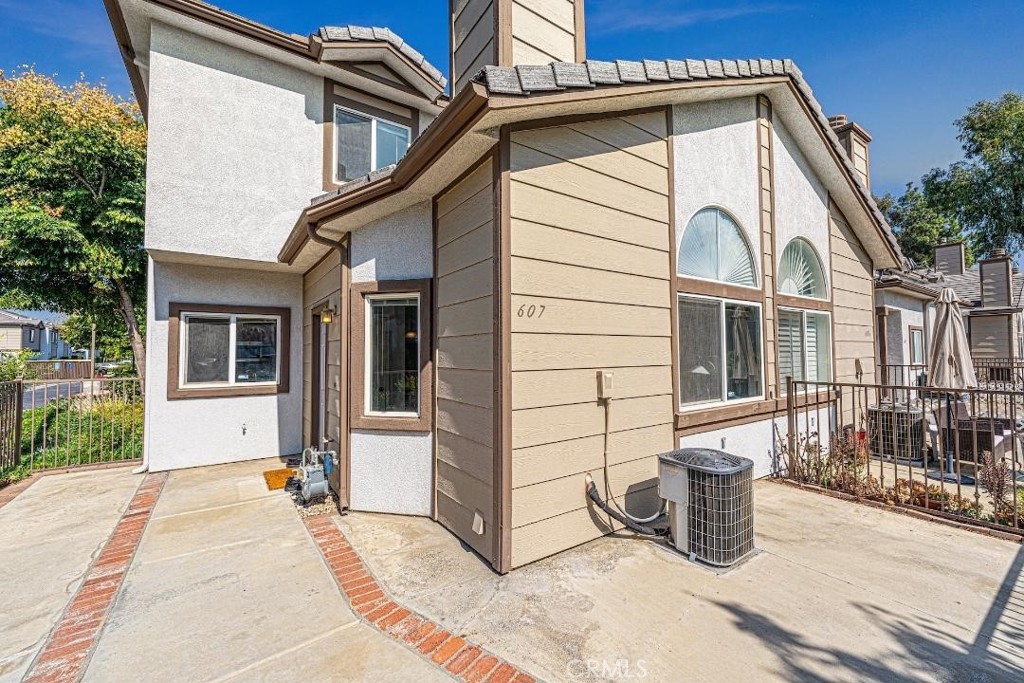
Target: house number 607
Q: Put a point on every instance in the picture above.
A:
(531, 311)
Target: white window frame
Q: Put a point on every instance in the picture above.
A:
(821, 266)
(804, 312)
(368, 353)
(911, 330)
(374, 120)
(724, 401)
(186, 317)
(31, 335)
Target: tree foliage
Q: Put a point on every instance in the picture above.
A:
(985, 191)
(919, 225)
(72, 193)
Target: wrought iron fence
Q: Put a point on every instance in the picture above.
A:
(69, 423)
(957, 454)
(59, 369)
(10, 424)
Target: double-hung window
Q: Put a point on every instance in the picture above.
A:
(805, 331)
(720, 348)
(364, 143)
(222, 350)
(916, 345)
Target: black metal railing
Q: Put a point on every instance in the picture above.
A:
(953, 453)
(46, 424)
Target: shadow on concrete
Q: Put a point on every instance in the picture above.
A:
(921, 645)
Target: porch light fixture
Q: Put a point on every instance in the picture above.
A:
(327, 316)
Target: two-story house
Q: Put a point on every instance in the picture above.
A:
(37, 332)
(429, 281)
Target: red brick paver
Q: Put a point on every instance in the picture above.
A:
(452, 653)
(67, 649)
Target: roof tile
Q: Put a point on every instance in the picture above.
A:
(571, 75)
(603, 73)
(697, 68)
(631, 72)
(536, 78)
(656, 70)
(677, 70)
(382, 34)
(714, 68)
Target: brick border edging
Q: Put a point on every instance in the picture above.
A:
(371, 603)
(65, 654)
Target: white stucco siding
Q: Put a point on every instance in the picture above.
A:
(801, 200)
(764, 441)
(904, 312)
(392, 472)
(397, 247)
(235, 148)
(193, 432)
(715, 150)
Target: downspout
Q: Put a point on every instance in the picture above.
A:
(150, 301)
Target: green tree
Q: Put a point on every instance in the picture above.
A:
(985, 191)
(111, 341)
(72, 192)
(919, 225)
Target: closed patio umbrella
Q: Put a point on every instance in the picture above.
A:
(950, 367)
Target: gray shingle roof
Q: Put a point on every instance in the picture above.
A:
(385, 35)
(527, 80)
(968, 286)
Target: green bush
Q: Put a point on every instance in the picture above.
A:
(81, 430)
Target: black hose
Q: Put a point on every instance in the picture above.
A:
(630, 524)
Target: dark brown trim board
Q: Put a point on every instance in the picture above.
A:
(503, 351)
(580, 26)
(358, 419)
(176, 392)
(790, 301)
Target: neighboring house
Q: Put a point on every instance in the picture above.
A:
(992, 296)
(697, 228)
(35, 331)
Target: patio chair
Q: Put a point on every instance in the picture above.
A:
(968, 434)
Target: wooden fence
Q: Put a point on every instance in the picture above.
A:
(58, 369)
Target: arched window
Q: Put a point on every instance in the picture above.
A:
(800, 271)
(713, 248)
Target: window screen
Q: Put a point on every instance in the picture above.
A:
(743, 350)
(393, 382)
(700, 350)
(352, 137)
(208, 344)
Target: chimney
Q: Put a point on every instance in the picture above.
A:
(855, 141)
(996, 273)
(500, 33)
(949, 258)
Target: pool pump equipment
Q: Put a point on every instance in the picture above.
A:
(313, 472)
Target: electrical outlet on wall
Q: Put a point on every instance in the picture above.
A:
(605, 384)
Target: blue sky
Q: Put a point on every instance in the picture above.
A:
(905, 70)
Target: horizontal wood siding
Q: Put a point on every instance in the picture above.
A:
(853, 302)
(543, 31)
(465, 358)
(321, 283)
(473, 39)
(590, 290)
(991, 336)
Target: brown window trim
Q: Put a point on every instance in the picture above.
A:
(790, 301)
(708, 419)
(332, 98)
(719, 290)
(357, 404)
(176, 392)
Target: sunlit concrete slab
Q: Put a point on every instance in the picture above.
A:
(839, 592)
(49, 535)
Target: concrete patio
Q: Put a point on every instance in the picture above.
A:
(840, 592)
(227, 585)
